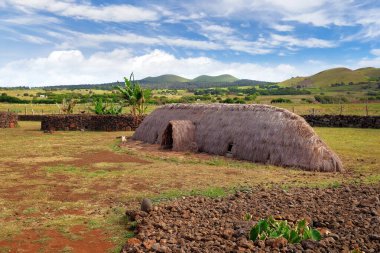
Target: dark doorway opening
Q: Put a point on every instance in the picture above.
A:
(229, 148)
(167, 138)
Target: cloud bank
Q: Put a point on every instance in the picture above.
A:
(72, 67)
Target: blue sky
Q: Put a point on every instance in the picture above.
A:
(51, 42)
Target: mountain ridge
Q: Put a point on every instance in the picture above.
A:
(334, 76)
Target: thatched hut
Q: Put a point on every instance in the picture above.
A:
(258, 133)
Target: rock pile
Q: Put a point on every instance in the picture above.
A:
(348, 217)
(8, 120)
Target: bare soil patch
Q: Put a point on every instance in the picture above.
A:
(16, 193)
(351, 214)
(65, 193)
(105, 157)
(54, 241)
(157, 150)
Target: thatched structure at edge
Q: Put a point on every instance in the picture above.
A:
(258, 133)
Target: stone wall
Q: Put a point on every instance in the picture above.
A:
(127, 122)
(343, 121)
(90, 122)
(8, 120)
(29, 117)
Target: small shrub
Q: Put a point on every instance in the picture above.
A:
(330, 99)
(280, 100)
(102, 108)
(307, 100)
(271, 228)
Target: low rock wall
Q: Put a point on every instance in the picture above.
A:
(343, 121)
(88, 122)
(8, 120)
(37, 117)
(127, 122)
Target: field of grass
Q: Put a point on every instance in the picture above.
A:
(53, 109)
(64, 189)
(299, 108)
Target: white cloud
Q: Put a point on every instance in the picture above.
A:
(373, 62)
(76, 39)
(31, 20)
(34, 39)
(72, 67)
(70, 8)
(283, 28)
(217, 29)
(375, 52)
(315, 62)
(291, 41)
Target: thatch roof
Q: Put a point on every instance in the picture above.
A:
(258, 133)
(179, 135)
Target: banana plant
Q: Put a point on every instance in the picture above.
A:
(134, 95)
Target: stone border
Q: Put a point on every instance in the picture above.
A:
(343, 121)
(89, 122)
(314, 120)
(30, 117)
(8, 120)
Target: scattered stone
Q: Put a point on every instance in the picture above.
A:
(131, 214)
(309, 244)
(276, 243)
(199, 224)
(133, 242)
(146, 205)
(374, 237)
(149, 243)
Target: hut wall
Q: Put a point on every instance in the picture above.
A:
(257, 133)
(8, 120)
(89, 122)
(182, 135)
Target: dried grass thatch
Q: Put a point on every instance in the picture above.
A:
(258, 133)
(179, 135)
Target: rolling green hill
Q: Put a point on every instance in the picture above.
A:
(332, 76)
(215, 79)
(369, 72)
(165, 79)
(173, 82)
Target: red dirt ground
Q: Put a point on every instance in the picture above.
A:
(87, 159)
(52, 241)
(64, 193)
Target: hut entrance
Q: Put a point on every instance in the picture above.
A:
(167, 138)
(179, 135)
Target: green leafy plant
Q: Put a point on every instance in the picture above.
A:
(67, 106)
(134, 95)
(104, 108)
(271, 228)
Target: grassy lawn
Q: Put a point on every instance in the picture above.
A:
(60, 191)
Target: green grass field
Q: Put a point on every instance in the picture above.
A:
(54, 184)
(299, 108)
